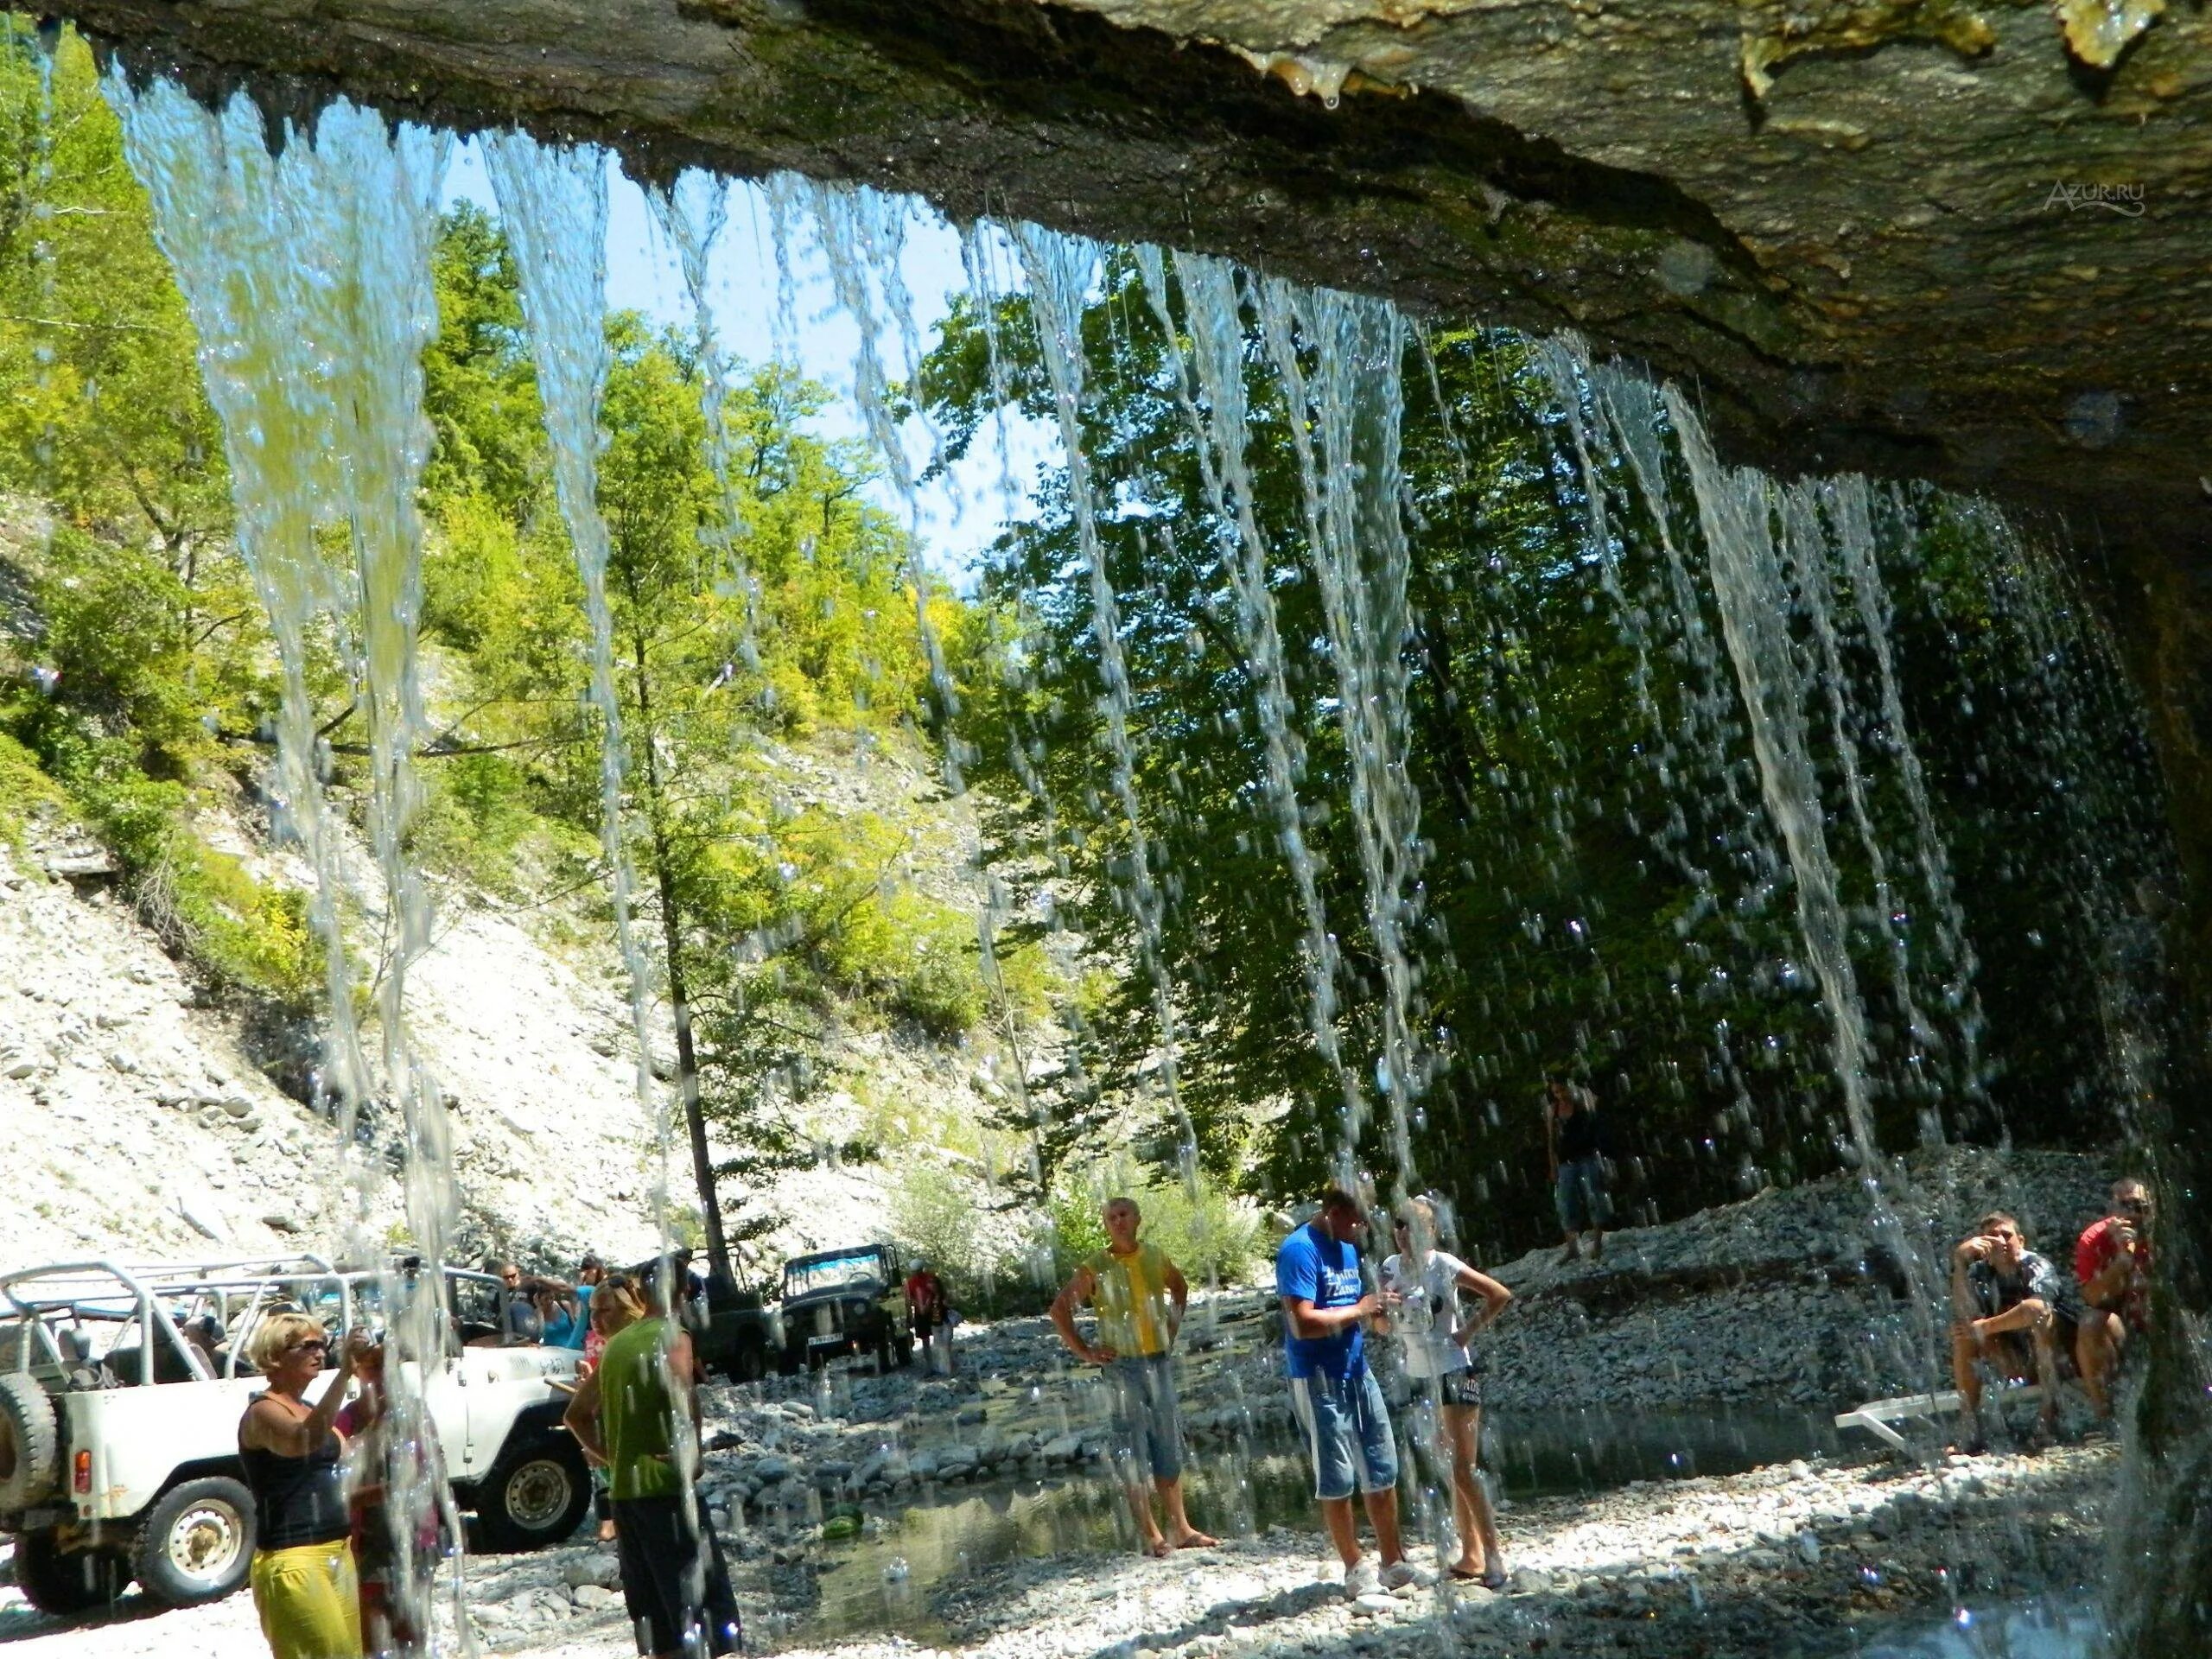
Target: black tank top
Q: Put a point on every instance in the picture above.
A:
(297, 1500)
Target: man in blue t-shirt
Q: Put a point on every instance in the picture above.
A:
(1326, 1304)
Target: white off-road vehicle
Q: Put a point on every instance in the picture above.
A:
(121, 1388)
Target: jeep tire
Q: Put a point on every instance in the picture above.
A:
(196, 1544)
(75, 1581)
(30, 1442)
(536, 1494)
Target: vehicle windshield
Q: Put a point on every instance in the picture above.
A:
(851, 1270)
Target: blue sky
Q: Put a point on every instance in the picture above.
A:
(960, 516)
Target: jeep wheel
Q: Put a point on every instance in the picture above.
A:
(30, 1442)
(72, 1582)
(534, 1495)
(197, 1543)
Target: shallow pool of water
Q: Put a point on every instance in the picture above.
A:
(885, 1580)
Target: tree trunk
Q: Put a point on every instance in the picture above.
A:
(671, 936)
(687, 1067)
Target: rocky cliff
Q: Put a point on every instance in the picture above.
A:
(142, 1122)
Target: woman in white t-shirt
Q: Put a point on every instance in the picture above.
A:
(1422, 1284)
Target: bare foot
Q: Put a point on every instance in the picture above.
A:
(1192, 1538)
(1467, 1566)
(607, 1532)
(1155, 1547)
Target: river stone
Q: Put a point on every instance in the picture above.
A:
(591, 1598)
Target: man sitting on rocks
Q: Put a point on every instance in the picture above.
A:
(675, 1584)
(1334, 1394)
(2112, 1260)
(2012, 1308)
(1140, 1296)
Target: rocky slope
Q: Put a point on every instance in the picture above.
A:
(139, 1123)
(1789, 1295)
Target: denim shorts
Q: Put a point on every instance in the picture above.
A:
(1147, 1421)
(1347, 1433)
(1579, 1196)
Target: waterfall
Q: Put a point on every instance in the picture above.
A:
(1631, 412)
(690, 214)
(1736, 509)
(1059, 270)
(862, 231)
(1855, 540)
(554, 205)
(1217, 325)
(307, 280)
(1805, 545)
(1357, 547)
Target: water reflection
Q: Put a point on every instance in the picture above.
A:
(2043, 1629)
(892, 1577)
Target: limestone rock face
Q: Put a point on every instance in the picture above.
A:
(1950, 238)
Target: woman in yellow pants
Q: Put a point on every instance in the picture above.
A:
(302, 1578)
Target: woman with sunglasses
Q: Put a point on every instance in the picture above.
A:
(302, 1577)
(1424, 1286)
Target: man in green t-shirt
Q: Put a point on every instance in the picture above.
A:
(625, 1415)
(1139, 1296)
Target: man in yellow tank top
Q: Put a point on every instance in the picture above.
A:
(1139, 1296)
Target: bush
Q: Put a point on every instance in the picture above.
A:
(475, 818)
(939, 984)
(1214, 1237)
(26, 792)
(989, 1261)
(245, 934)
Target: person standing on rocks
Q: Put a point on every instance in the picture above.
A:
(387, 1580)
(304, 1585)
(1428, 1283)
(1334, 1394)
(614, 1304)
(1140, 1297)
(2112, 1260)
(674, 1583)
(2013, 1308)
(1577, 1142)
(926, 1312)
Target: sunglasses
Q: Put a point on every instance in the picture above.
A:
(312, 1345)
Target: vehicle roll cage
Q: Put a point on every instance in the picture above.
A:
(46, 1304)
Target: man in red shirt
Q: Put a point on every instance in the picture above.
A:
(2113, 1261)
(925, 1312)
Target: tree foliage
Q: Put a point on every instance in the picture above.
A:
(1597, 890)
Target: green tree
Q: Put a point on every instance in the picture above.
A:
(771, 924)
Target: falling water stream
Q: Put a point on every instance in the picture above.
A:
(1060, 270)
(1357, 546)
(1217, 327)
(314, 365)
(691, 214)
(1735, 507)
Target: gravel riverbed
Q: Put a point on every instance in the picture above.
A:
(1798, 1561)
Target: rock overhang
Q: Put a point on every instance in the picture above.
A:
(1922, 237)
